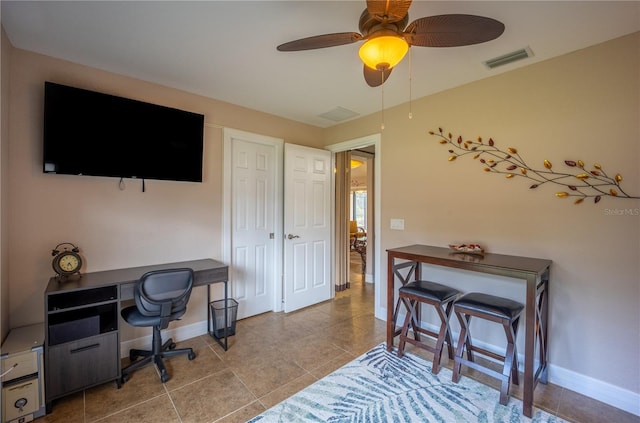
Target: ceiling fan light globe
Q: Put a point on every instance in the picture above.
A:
(383, 52)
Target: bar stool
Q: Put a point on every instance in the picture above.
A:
(413, 295)
(496, 309)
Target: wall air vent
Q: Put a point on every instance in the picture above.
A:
(514, 56)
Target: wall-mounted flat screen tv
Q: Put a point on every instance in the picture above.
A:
(91, 133)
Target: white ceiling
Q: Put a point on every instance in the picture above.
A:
(227, 49)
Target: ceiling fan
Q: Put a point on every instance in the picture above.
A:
(383, 27)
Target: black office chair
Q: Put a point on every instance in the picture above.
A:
(161, 296)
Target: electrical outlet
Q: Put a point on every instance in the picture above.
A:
(397, 224)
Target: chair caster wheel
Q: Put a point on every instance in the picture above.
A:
(172, 345)
(124, 379)
(164, 377)
(191, 356)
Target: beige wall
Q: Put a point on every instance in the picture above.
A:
(579, 106)
(5, 61)
(171, 221)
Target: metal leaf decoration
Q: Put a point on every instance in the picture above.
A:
(582, 184)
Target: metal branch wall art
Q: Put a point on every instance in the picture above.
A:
(582, 184)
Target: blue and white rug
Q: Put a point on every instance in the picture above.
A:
(380, 387)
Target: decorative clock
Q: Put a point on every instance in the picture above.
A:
(68, 261)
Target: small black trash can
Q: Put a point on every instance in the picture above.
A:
(217, 315)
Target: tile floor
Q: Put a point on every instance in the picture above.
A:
(271, 357)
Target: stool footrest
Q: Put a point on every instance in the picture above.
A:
(419, 343)
(487, 353)
(490, 372)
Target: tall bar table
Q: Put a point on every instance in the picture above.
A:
(533, 271)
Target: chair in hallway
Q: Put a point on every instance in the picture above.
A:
(358, 242)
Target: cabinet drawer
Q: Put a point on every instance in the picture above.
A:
(20, 399)
(82, 363)
(25, 364)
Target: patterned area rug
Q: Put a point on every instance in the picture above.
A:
(380, 387)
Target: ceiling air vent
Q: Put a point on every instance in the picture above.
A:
(339, 114)
(514, 56)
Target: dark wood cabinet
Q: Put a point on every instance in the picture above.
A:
(81, 338)
(78, 364)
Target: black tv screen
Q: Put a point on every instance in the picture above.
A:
(91, 133)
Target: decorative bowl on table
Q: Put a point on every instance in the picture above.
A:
(467, 248)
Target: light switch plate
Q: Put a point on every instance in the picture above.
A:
(397, 224)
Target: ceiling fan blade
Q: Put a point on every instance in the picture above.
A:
(452, 30)
(321, 41)
(375, 78)
(388, 10)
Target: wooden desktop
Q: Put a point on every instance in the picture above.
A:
(82, 340)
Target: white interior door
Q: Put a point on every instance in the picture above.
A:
(307, 226)
(253, 245)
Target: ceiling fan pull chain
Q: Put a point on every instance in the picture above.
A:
(410, 80)
(382, 105)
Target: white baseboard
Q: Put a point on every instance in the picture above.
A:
(585, 385)
(602, 391)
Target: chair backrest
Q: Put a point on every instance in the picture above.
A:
(164, 293)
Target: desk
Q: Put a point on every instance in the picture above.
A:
(535, 273)
(82, 341)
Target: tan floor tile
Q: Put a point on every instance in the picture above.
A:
(287, 390)
(280, 331)
(244, 331)
(69, 409)
(211, 398)
(243, 349)
(156, 410)
(182, 371)
(267, 372)
(355, 339)
(339, 312)
(310, 351)
(244, 414)
(332, 365)
(547, 397)
(257, 322)
(579, 408)
(106, 399)
(367, 321)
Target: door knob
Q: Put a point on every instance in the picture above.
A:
(290, 236)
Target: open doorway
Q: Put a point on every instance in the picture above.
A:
(354, 217)
(341, 236)
(360, 214)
